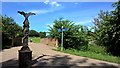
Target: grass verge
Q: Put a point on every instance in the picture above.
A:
(35, 39)
(93, 55)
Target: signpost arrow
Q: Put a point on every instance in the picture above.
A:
(65, 29)
(59, 30)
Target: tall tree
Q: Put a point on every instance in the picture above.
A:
(108, 34)
(10, 29)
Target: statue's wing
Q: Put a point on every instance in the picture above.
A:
(21, 12)
(30, 13)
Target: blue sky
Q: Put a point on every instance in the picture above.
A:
(46, 12)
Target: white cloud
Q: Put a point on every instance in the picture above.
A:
(41, 11)
(52, 3)
(60, 0)
(55, 4)
(83, 22)
(47, 1)
(44, 11)
(76, 3)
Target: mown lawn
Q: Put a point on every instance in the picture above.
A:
(93, 55)
(35, 39)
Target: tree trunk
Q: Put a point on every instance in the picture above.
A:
(13, 41)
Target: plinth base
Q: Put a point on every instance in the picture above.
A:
(25, 58)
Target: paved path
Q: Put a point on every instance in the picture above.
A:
(44, 55)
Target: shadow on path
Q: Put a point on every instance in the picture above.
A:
(35, 60)
(56, 61)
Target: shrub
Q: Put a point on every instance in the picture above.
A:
(97, 49)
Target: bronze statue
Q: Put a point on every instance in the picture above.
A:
(25, 29)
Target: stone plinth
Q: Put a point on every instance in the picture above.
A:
(25, 58)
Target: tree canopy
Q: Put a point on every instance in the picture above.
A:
(42, 34)
(108, 33)
(33, 33)
(73, 38)
(10, 29)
